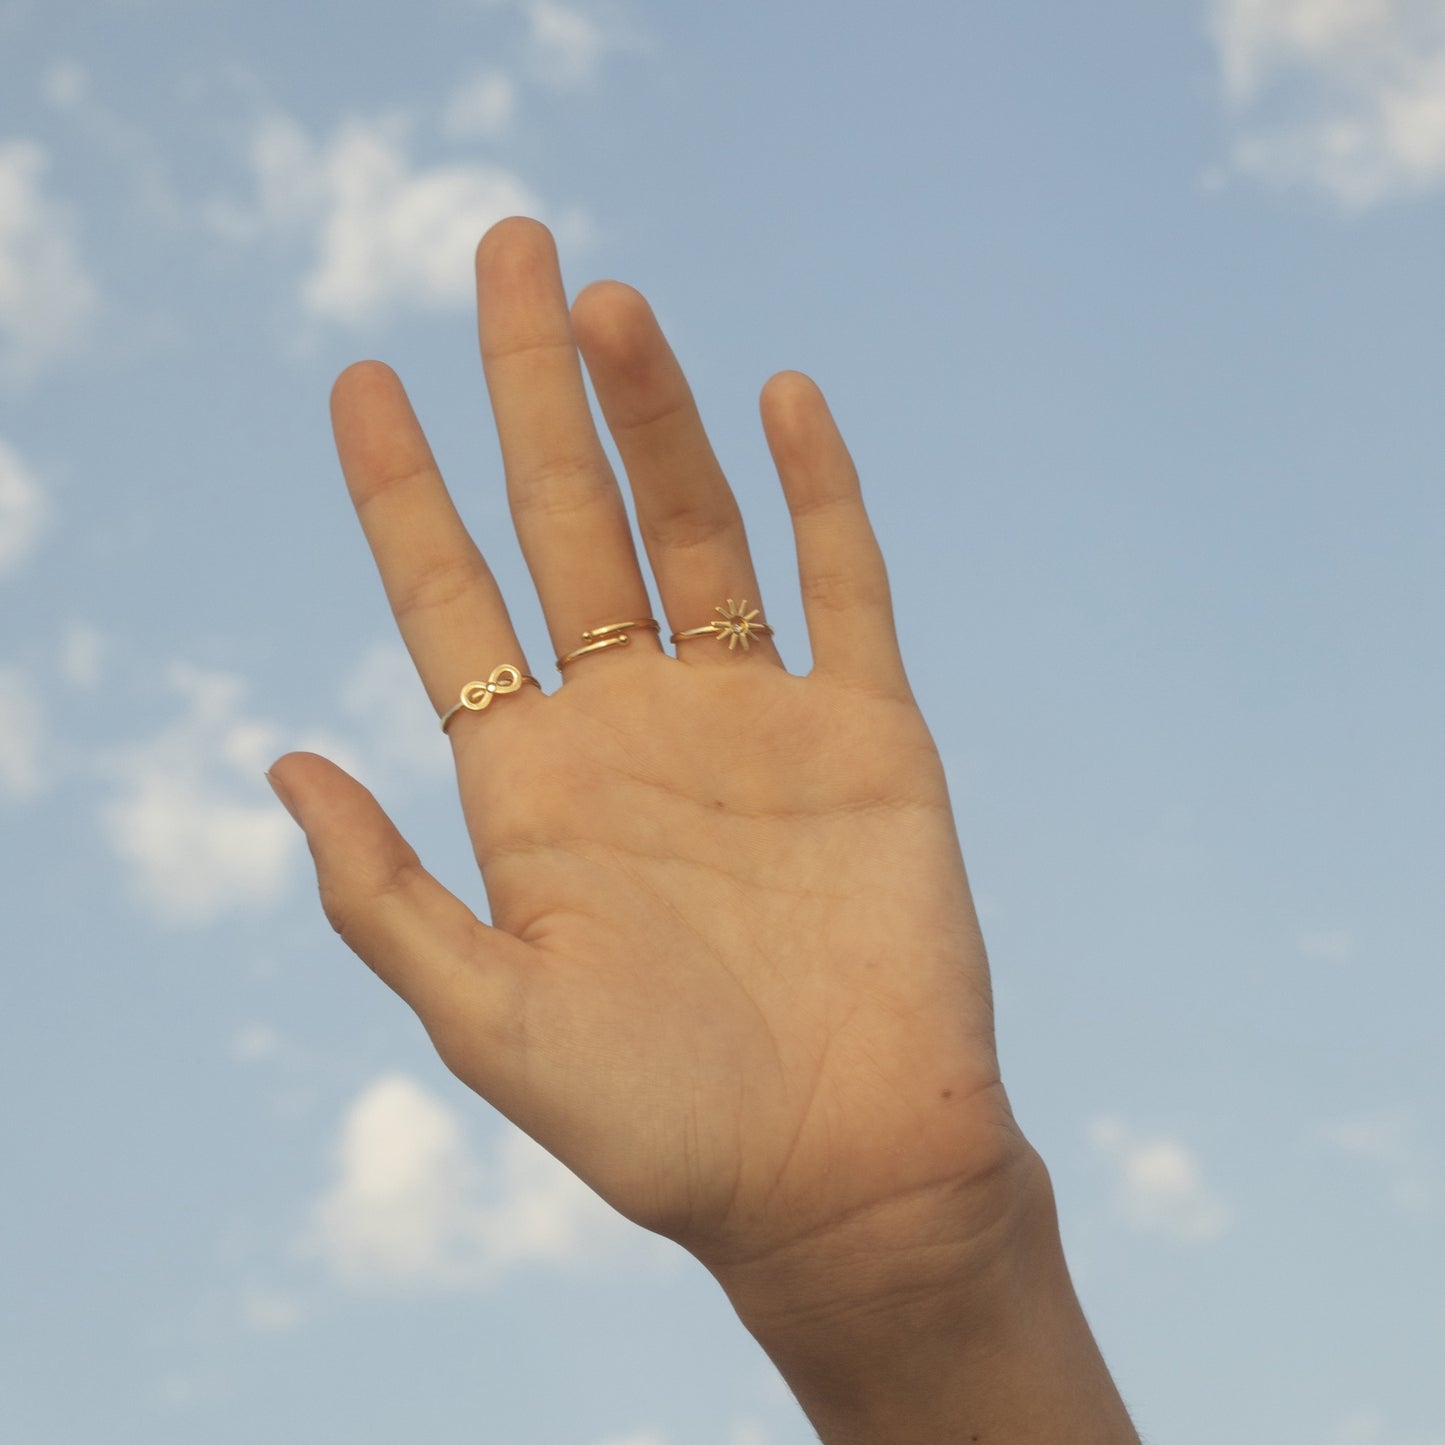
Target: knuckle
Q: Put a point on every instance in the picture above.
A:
(353, 906)
(437, 584)
(823, 503)
(563, 486)
(386, 484)
(834, 589)
(338, 907)
(651, 413)
(686, 525)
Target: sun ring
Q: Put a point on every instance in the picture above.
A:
(734, 623)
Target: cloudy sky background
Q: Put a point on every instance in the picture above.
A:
(1132, 315)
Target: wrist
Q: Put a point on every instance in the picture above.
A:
(937, 1320)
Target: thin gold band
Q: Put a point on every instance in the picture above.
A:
(734, 623)
(611, 634)
(476, 696)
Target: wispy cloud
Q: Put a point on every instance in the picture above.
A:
(389, 715)
(1159, 1184)
(188, 813)
(69, 89)
(743, 1432)
(415, 1206)
(1369, 1427)
(47, 298)
(24, 507)
(66, 85)
(1326, 945)
(81, 655)
(255, 1042)
(567, 43)
(1390, 1142)
(481, 108)
(382, 232)
(271, 1311)
(748, 1432)
(1346, 97)
(22, 769)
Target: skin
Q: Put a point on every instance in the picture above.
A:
(733, 978)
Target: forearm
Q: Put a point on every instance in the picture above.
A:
(998, 1353)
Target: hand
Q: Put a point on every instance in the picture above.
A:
(733, 977)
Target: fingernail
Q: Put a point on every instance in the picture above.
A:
(283, 796)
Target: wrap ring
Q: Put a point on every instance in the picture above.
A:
(611, 634)
(477, 696)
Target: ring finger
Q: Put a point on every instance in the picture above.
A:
(689, 519)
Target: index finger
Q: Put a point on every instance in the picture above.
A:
(442, 593)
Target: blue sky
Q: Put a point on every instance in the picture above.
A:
(1131, 313)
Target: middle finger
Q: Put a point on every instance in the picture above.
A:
(570, 518)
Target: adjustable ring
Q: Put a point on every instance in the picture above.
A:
(477, 696)
(612, 634)
(735, 623)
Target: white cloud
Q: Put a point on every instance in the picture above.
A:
(384, 233)
(46, 298)
(66, 84)
(255, 1042)
(1327, 945)
(748, 1432)
(482, 108)
(743, 1432)
(22, 772)
(1344, 96)
(1160, 1186)
(24, 509)
(1362, 1428)
(188, 812)
(270, 1311)
(1259, 38)
(183, 1391)
(80, 661)
(67, 87)
(567, 44)
(393, 720)
(413, 1206)
(190, 815)
(1390, 1141)
(1369, 1427)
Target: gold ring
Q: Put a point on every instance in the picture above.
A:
(476, 696)
(613, 634)
(735, 623)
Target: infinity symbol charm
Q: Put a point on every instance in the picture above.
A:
(479, 695)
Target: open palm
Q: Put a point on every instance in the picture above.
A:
(733, 977)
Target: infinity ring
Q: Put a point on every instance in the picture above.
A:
(477, 696)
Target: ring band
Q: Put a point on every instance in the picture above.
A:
(476, 696)
(611, 634)
(735, 623)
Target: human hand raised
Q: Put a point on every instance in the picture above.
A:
(733, 976)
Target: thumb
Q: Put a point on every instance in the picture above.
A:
(462, 976)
